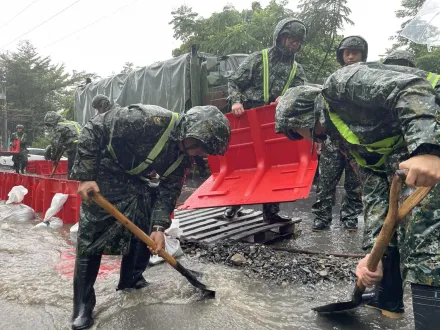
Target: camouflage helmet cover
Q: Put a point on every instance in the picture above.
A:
(52, 118)
(98, 99)
(401, 56)
(209, 126)
(296, 109)
(19, 126)
(292, 27)
(352, 42)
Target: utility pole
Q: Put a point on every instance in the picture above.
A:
(5, 116)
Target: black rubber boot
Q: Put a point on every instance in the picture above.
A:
(133, 265)
(389, 292)
(319, 225)
(426, 306)
(271, 213)
(232, 211)
(84, 300)
(350, 225)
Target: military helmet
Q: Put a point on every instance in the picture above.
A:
(98, 100)
(19, 126)
(352, 42)
(52, 118)
(209, 126)
(296, 29)
(296, 109)
(401, 57)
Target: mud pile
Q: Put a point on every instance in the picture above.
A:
(259, 261)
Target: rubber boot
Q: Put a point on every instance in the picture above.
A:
(232, 211)
(319, 225)
(271, 213)
(389, 292)
(133, 265)
(426, 306)
(84, 300)
(350, 224)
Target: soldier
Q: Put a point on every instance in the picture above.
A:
(102, 103)
(117, 152)
(400, 57)
(21, 159)
(262, 78)
(65, 138)
(387, 120)
(334, 160)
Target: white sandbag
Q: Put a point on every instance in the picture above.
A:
(74, 233)
(16, 194)
(53, 223)
(16, 212)
(172, 243)
(55, 206)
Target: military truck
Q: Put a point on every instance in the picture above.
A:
(176, 84)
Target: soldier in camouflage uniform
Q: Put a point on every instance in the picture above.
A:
(65, 138)
(334, 160)
(20, 160)
(387, 119)
(117, 152)
(400, 57)
(262, 78)
(102, 103)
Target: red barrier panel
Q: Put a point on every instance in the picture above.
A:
(259, 166)
(44, 167)
(41, 191)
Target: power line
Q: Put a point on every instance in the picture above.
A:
(18, 14)
(88, 25)
(36, 27)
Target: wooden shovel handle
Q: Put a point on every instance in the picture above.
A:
(394, 217)
(106, 205)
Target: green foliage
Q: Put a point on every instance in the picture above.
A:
(128, 67)
(430, 62)
(41, 142)
(34, 86)
(232, 31)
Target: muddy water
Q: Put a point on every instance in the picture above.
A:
(36, 290)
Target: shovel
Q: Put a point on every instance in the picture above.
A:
(392, 221)
(190, 275)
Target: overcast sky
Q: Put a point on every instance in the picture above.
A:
(140, 32)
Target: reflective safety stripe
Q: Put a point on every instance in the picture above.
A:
(154, 153)
(73, 123)
(75, 141)
(433, 79)
(292, 74)
(383, 147)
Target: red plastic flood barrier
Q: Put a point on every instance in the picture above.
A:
(41, 191)
(13, 149)
(44, 167)
(259, 166)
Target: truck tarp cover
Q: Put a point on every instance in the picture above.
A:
(166, 84)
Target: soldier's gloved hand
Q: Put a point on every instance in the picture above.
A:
(159, 238)
(237, 109)
(367, 277)
(423, 170)
(85, 187)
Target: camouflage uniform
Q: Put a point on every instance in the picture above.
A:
(112, 145)
(246, 85)
(65, 138)
(378, 102)
(333, 162)
(20, 160)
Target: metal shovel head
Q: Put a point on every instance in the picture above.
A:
(191, 276)
(347, 305)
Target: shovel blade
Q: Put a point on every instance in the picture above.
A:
(191, 276)
(345, 306)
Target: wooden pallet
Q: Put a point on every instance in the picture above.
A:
(208, 226)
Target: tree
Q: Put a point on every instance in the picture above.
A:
(318, 56)
(231, 31)
(34, 86)
(128, 67)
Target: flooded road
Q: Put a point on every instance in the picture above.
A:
(36, 288)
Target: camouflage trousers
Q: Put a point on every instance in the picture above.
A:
(418, 237)
(332, 164)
